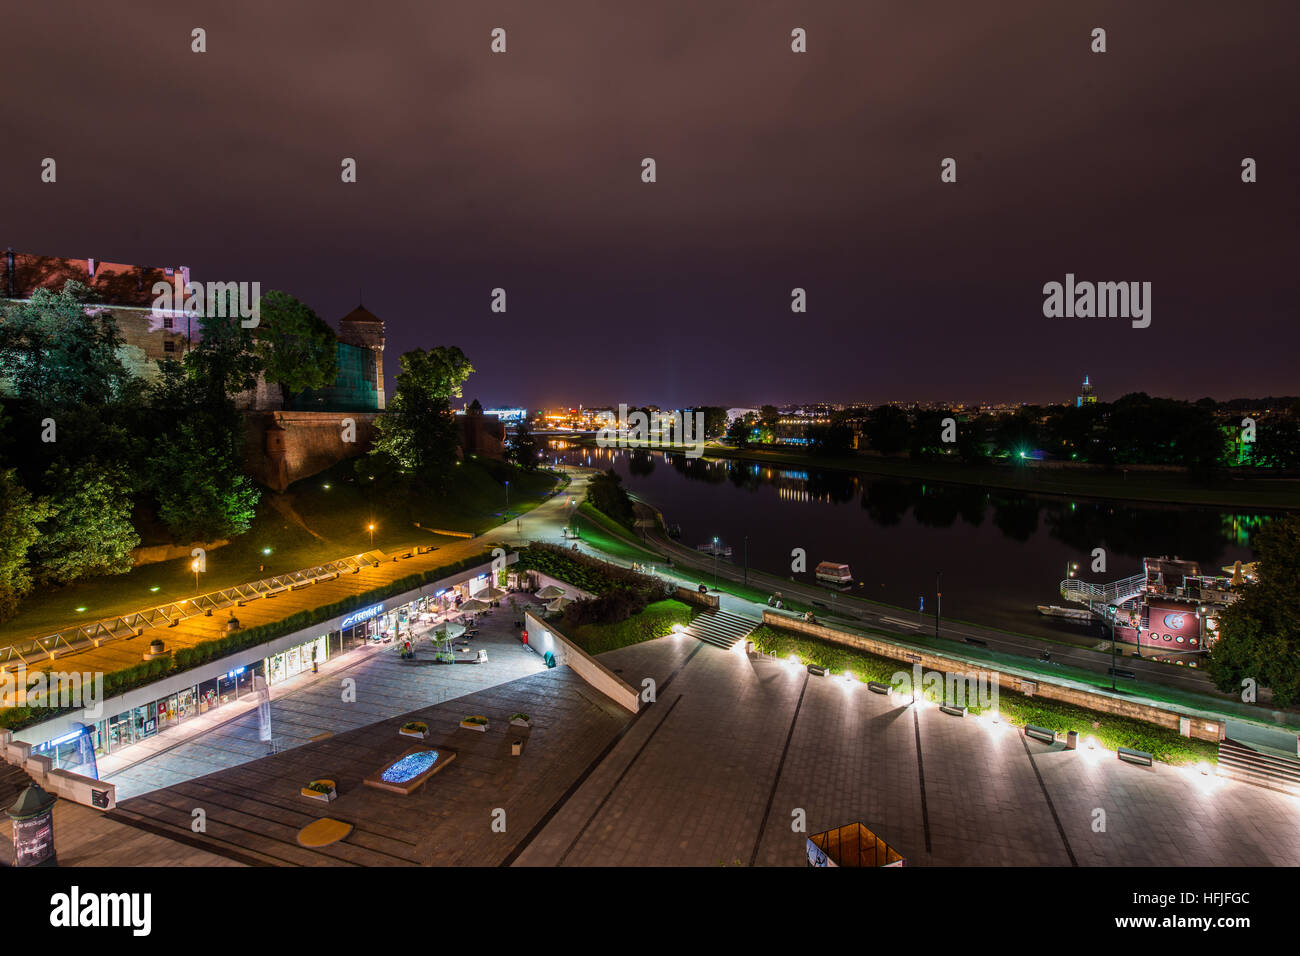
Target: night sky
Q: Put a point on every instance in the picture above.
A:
(775, 170)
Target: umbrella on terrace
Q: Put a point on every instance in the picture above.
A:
(550, 592)
(492, 594)
(449, 630)
(559, 604)
(474, 606)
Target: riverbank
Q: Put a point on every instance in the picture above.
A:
(996, 647)
(1267, 494)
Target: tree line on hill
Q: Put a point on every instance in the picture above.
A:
(1137, 429)
(91, 455)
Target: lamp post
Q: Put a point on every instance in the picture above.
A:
(194, 566)
(507, 497)
(746, 560)
(1112, 650)
(938, 599)
(371, 528)
(715, 562)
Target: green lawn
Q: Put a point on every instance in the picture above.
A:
(319, 519)
(656, 620)
(605, 534)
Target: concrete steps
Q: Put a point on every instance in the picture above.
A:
(721, 628)
(13, 781)
(1260, 768)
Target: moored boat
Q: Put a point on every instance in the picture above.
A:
(831, 573)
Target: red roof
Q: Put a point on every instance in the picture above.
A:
(114, 283)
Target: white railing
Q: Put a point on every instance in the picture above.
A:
(95, 633)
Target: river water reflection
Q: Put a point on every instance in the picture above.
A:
(1001, 552)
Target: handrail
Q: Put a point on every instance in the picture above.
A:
(110, 628)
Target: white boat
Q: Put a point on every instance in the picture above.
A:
(1069, 613)
(722, 550)
(832, 573)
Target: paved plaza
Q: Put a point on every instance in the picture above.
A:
(734, 752)
(309, 705)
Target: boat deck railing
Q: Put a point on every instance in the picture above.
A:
(1099, 597)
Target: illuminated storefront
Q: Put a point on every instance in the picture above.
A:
(297, 659)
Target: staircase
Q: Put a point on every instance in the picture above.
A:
(721, 628)
(1098, 597)
(1262, 768)
(13, 781)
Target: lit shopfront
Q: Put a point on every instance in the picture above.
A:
(295, 660)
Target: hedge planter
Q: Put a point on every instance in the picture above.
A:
(476, 722)
(322, 790)
(521, 720)
(414, 729)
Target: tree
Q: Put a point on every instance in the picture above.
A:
(887, 429)
(523, 446)
(738, 433)
(202, 493)
(606, 493)
(833, 439)
(88, 529)
(20, 518)
(715, 420)
(296, 347)
(1259, 633)
(418, 430)
(58, 352)
(225, 360)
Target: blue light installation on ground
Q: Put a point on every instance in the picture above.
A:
(410, 766)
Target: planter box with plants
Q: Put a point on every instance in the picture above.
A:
(322, 790)
(414, 729)
(520, 720)
(475, 722)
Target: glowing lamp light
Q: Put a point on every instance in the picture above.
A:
(677, 629)
(1092, 742)
(1203, 767)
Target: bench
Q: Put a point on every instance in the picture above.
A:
(954, 711)
(1120, 672)
(816, 671)
(1040, 733)
(877, 688)
(977, 642)
(1140, 757)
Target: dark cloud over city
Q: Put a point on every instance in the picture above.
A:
(775, 170)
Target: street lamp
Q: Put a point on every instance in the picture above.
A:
(938, 599)
(194, 566)
(371, 528)
(715, 562)
(507, 497)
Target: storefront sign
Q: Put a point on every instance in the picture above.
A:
(360, 617)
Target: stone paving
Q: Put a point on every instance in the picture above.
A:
(695, 783)
(716, 772)
(311, 704)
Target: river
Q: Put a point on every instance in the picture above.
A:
(999, 553)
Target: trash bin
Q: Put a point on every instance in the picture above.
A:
(1072, 740)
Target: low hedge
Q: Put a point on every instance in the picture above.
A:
(1110, 730)
(186, 658)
